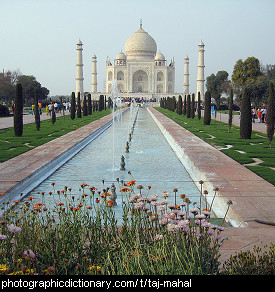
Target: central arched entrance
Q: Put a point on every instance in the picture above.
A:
(140, 81)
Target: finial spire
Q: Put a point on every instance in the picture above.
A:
(140, 24)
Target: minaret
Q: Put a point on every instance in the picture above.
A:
(200, 77)
(79, 70)
(94, 75)
(186, 76)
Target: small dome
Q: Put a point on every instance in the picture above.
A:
(121, 56)
(159, 57)
(79, 42)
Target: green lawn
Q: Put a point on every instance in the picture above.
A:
(217, 135)
(11, 146)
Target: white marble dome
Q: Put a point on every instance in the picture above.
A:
(140, 45)
(120, 56)
(159, 57)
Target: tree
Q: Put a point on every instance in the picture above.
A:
(230, 108)
(18, 111)
(179, 108)
(73, 106)
(217, 84)
(188, 106)
(246, 121)
(101, 103)
(270, 116)
(207, 108)
(53, 117)
(89, 109)
(184, 105)
(78, 106)
(199, 105)
(193, 106)
(36, 112)
(85, 111)
(245, 72)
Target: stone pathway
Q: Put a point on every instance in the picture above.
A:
(7, 122)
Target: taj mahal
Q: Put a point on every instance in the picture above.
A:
(140, 70)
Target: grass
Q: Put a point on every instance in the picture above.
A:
(217, 135)
(11, 146)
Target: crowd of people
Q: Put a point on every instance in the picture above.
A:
(259, 114)
(53, 106)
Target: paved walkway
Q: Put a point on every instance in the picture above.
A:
(260, 127)
(7, 122)
(253, 197)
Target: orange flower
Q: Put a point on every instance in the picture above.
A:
(60, 204)
(131, 183)
(75, 209)
(124, 190)
(30, 198)
(79, 205)
(89, 207)
(97, 200)
(2, 195)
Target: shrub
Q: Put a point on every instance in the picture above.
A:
(18, 111)
(179, 107)
(270, 116)
(255, 262)
(4, 111)
(79, 115)
(73, 106)
(207, 108)
(36, 112)
(246, 121)
(85, 110)
(188, 106)
(199, 105)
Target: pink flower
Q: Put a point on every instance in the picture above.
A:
(30, 253)
(3, 237)
(14, 229)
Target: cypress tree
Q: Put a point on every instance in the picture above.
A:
(174, 103)
(207, 108)
(53, 117)
(89, 109)
(36, 112)
(246, 122)
(179, 109)
(193, 106)
(184, 105)
(101, 103)
(18, 111)
(73, 106)
(230, 109)
(199, 105)
(85, 111)
(188, 106)
(78, 113)
(270, 115)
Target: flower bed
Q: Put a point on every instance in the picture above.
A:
(80, 234)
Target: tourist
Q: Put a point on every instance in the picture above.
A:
(264, 111)
(47, 110)
(40, 108)
(55, 107)
(12, 109)
(259, 113)
(50, 108)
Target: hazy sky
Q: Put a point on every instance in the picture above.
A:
(39, 36)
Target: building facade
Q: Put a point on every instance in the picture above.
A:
(141, 70)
